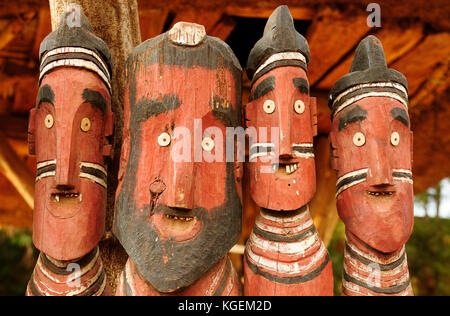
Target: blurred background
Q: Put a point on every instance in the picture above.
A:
(416, 41)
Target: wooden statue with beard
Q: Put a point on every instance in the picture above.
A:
(68, 132)
(284, 254)
(178, 205)
(371, 142)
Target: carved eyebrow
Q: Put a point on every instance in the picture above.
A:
(354, 115)
(401, 115)
(301, 84)
(147, 108)
(264, 87)
(45, 94)
(95, 98)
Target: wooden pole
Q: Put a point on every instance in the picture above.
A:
(16, 171)
(117, 23)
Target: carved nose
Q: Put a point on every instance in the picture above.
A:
(181, 190)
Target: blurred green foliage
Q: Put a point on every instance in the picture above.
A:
(17, 260)
(428, 252)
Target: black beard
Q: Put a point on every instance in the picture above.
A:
(186, 261)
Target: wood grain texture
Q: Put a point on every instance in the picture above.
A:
(327, 50)
(13, 168)
(397, 41)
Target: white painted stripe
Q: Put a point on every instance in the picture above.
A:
(261, 154)
(357, 265)
(216, 279)
(94, 166)
(71, 277)
(286, 248)
(283, 220)
(348, 175)
(403, 179)
(43, 164)
(67, 50)
(286, 230)
(375, 259)
(93, 178)
(286, 268)
(345, 187)
(303, 155)
(46, 174)
(281, 56)
(375, 279)
(352, 174)
(354, 288)
(306, 145)
(371, 94)
(372, 85)
(262, 145)
(129, 278)
(80, 63)
(403, 171)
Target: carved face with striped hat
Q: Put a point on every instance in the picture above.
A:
(67, 132)
(281, 168)
(371, 145)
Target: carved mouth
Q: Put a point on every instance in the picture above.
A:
(180, 218)
(66, 197)
(178, 225)
(380, 193)
(285, 168)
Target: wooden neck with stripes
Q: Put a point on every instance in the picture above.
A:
(370, 272)
(221, 280)
(84, 277)
(285, 256)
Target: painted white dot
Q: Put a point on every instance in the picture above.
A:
(269, 106)
(359, 139)
(208, 144)
(49, 121)
(299, 106)
(164, 139)
(395, 138)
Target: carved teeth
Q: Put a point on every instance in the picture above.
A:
(374, 193)
(290, 168)
(180, 218)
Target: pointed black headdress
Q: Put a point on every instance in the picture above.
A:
(281, 45)
(369, 76)
(73, 44)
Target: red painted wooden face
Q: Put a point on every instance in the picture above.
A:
(69, 125)
(181, 204)
(372, 152)
(281, 103)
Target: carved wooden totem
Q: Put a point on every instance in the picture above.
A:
(178, 204)
(68, 133)
(371, 142)
(284, 255)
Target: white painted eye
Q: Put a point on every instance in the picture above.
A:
(164, 139)
(269, 106)
(299, 106)
(85, 124)
(208, 144)
(395, 138)
(49, 121)
(359, 139)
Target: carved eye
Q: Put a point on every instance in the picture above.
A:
(395, 138)
(164, 139)
(49, 121)
(359, 139)
(208, 144)
(299, 106)
(269, 106)
(85, 124)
